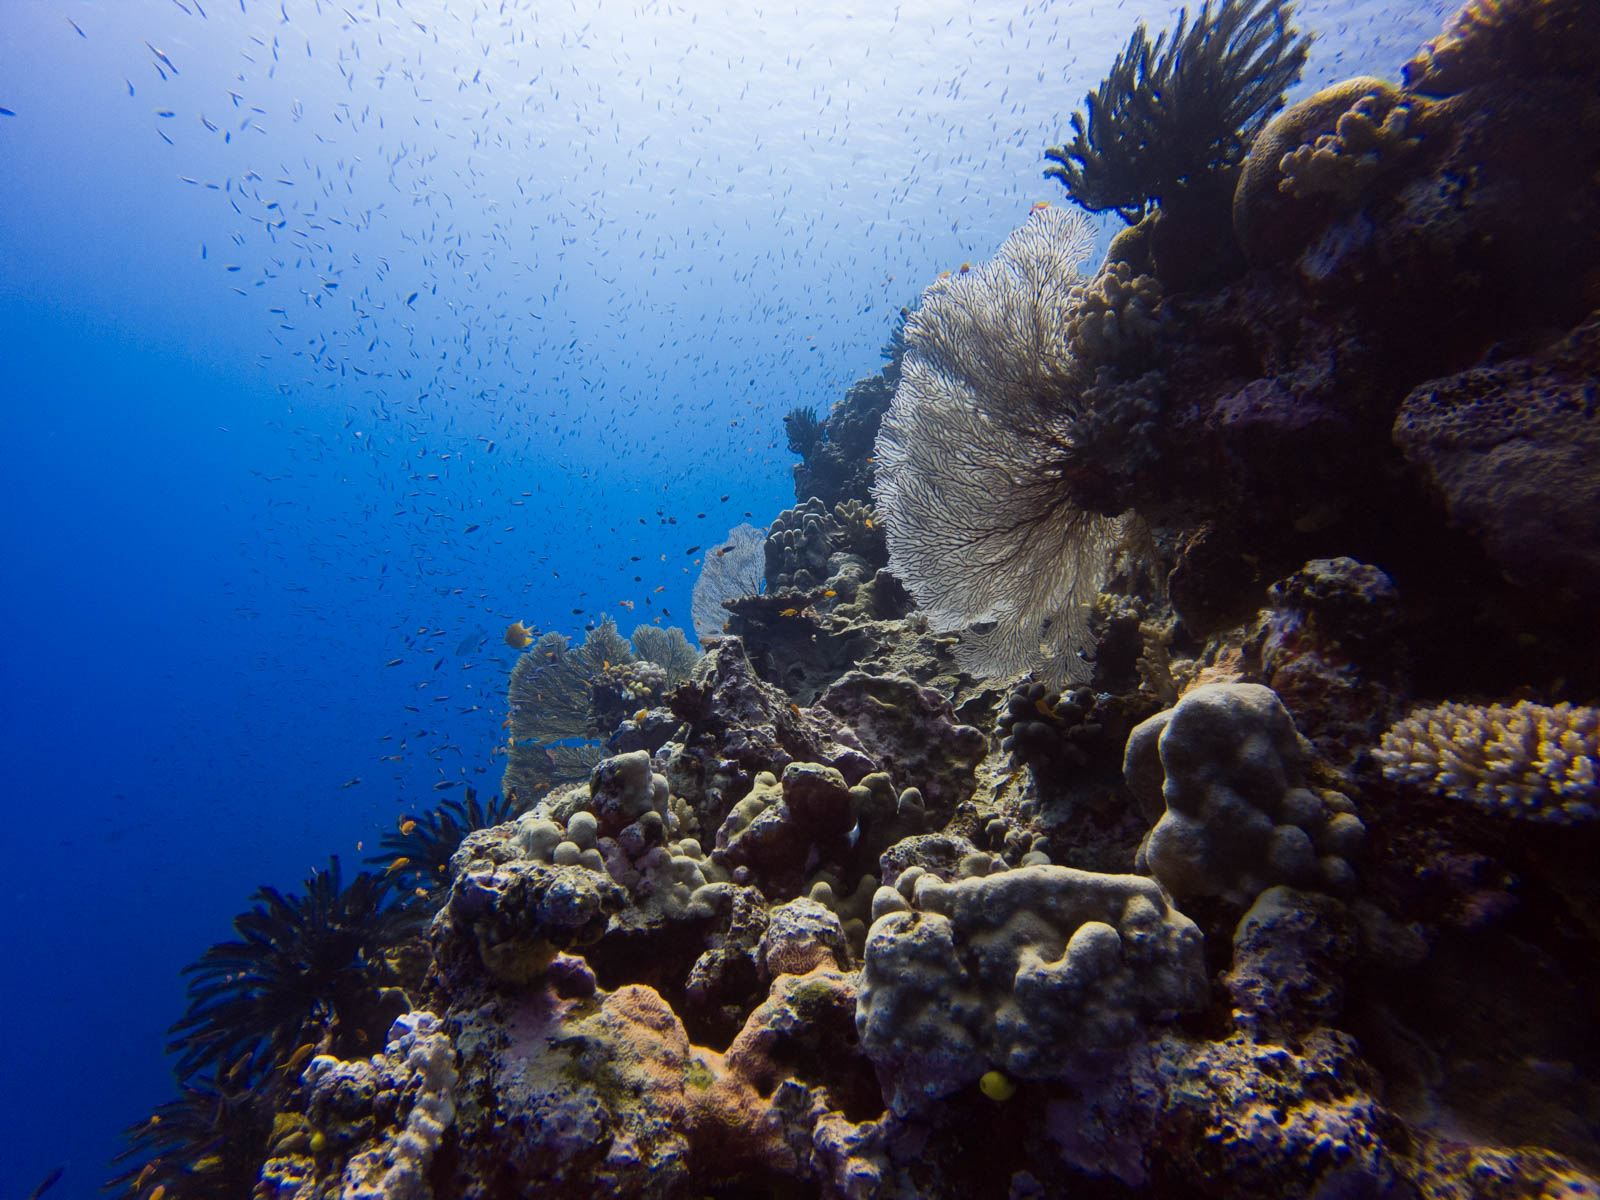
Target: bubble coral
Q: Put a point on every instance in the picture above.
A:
(1529, 760)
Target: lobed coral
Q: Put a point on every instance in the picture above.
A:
(1528, 760)
(1041, 972)
(1220, 773)
(1376, 131)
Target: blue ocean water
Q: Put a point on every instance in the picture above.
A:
(333, 338)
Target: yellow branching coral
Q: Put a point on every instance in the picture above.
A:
(1530, 759)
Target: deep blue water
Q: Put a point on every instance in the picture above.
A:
(334, 335)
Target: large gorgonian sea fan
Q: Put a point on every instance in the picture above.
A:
(973, 455)
(1188, 105)
(731, 569)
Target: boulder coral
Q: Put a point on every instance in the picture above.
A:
(1221, 775)
(1041, 972)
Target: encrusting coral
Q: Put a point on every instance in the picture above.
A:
(1534, 761)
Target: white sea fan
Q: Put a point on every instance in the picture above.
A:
(971, 454)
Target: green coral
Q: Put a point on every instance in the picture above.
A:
(1181, 108)
(1531, 760)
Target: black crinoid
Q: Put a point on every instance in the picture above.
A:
(312, 970)
(1184, 107)
(208, 1142)
(425, 843)
(803, 428)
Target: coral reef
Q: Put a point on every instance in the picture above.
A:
(851, 907)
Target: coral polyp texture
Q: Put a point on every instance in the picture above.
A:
(1185, 106)
(1536, 761)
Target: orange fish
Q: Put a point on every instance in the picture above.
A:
(407, 826)
(398, 864)
(1040, 204)
(518, 636)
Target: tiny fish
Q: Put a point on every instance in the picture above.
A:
(408, 826)
(394, 662)
(351, 783)
(6, 112)
(298, 1058)
(398, 864)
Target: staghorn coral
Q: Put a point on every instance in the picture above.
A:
(728, 571)
(974, 457)
(1528, 760)
(1181, 109)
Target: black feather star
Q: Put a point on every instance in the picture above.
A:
(425, 843)
(210, 1141)
(309, 970)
